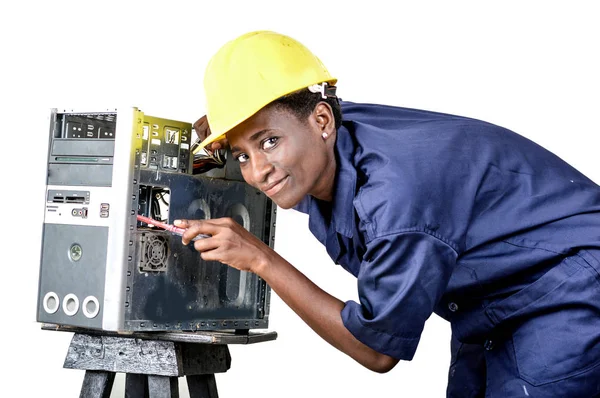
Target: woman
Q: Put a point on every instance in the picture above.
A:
(431, 212)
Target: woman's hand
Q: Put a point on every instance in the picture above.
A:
(202, 130)
(229, 243)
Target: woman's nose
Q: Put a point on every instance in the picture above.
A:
(261, 169)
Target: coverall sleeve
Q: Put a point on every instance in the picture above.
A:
(402, 277)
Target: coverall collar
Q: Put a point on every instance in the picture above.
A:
(342, 212)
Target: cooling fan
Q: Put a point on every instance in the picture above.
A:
(154, 252)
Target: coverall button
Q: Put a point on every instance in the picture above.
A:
(453, 307)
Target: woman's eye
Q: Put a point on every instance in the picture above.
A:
(269, 143)
(242, 158)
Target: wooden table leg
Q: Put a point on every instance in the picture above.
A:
(163, 386)
(202, 386)
(97, 384)
(136, 385)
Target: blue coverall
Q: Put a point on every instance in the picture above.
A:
(447, 214)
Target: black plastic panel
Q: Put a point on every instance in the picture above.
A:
(186, 292)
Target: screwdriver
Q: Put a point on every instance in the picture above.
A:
(171, 228)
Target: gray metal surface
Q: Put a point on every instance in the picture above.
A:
(98, 175)
(83, 147)
(122, 208)
(63, 276)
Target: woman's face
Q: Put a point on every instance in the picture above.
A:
(285, 157)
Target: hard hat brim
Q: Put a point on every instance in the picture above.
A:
(216, 135)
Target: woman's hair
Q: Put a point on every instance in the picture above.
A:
(303, 102)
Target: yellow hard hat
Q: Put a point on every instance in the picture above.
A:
(250, 72)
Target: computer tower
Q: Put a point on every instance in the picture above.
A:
(102, 269)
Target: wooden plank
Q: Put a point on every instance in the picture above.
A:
(163, 387)
(123, 355)
(198, 359)
(97, 384)
(200, 337)
(202, 386)
(136, 385)
(129, 355)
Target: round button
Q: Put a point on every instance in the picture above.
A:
(90, 307)
(75, 252)
(453, 307)
(51, 302)
(70, 304)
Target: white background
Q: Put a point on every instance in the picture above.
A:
(530, 66)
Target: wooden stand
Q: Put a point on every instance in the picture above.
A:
(152, 362)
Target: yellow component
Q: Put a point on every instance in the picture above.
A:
(250, 72)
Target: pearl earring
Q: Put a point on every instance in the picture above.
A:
(324, 135)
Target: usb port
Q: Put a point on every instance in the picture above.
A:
(104, 206)
(58, 199)
(104, 214)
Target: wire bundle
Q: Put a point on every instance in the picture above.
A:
(206, 160)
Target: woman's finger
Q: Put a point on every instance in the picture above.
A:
(210, 255)
(196, 227)
(202, 128)
(206, 245)
(181, 223)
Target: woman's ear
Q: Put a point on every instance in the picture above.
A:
(321, 120)
(325, 119)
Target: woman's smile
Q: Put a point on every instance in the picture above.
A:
(274, 188)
